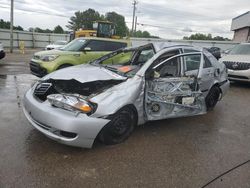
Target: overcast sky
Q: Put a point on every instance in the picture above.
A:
(164, 18)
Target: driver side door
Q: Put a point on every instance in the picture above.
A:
(170, 89)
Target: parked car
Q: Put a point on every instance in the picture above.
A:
(56, 45)
(215, 51)
(108, 97)
(237, 62)
(78, 51)
(2, 53)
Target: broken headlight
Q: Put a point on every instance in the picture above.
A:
(71, 103)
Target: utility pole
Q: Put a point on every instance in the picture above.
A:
(11, 25)
(135, 23)
(135, 2)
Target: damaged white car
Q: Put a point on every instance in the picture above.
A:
(108, 97)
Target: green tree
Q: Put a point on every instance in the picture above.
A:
(6, 25)
(119, 22)
(83, 19)
(38, 30)
(143, 34)
(58, 29)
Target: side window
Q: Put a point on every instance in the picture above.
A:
(189, 50)
(170, 68)
(112, 46)
(168, 55)
(207, 63)
(96, 45)
(192, 62)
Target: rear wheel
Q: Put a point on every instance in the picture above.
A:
(119, 128)
(212, 97)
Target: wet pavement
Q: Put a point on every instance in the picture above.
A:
(184, 152)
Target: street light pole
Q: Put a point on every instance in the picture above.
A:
(11, 25)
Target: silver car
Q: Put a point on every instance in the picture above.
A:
(108, 97)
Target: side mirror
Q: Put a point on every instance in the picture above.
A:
(87, 49)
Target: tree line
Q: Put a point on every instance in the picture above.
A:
(6, 25)
(58, 29)
(200, 36)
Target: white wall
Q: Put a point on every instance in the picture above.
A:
(40, 40)
(224, 45)
(31, 39)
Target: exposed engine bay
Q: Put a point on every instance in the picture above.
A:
(172, 97)
(88, 89)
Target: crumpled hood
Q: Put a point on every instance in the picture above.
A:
(84, 73)
(236, 58)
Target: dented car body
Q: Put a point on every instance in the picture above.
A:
(108, 97)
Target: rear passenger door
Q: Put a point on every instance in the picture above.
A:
(208, 72)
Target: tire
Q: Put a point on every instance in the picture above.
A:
(2, 55)
(64, 66)
(119, 128)
(212, 97)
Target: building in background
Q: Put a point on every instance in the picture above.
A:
(241, 27)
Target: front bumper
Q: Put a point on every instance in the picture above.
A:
(37, 70)
(239, 75)
(61, 125)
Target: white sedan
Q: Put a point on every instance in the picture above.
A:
(56, 45)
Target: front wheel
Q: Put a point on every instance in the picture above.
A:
(212, 97)
(119, 128)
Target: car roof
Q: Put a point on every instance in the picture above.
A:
(103, 39)
(158, 46)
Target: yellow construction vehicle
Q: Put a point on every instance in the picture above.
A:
(104, 29)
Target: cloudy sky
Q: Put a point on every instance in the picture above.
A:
(164, 18)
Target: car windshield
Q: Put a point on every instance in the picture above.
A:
(241, 49)
(60, 43)
(125, 62)
(75, 45)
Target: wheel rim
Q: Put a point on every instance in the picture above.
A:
(120, 125)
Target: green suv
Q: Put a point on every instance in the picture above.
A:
(78, 51)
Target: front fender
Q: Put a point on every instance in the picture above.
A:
(113, 99)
